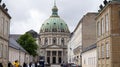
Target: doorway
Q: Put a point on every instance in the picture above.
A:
(54, 60)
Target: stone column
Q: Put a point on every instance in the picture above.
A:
(51, 57)
(45, 56)
(62, 57)
(60, 41)
(57, 41)
(51, 41)
(57, 57)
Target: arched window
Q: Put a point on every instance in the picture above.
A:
(46, 30)
(54, 40)
(62, 30)
(62, 41)
(46, 41)
(54, 30)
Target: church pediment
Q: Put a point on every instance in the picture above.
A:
(53, 46)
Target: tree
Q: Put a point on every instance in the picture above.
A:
(28, 43)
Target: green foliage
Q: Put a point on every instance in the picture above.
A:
(28, 43)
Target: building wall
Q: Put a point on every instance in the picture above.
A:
(108, 38)
(88, 29)
(83, 36)
(4, 34)
(62, 47)
(75, 42)
(22, 57)
(89, 58)
(15, 54)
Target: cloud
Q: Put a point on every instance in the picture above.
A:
(33, 22)
(30, 14)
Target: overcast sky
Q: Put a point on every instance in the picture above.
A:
(30, 14)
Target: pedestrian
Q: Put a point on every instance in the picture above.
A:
(1, 65)
(16, 63)
(38, 64)
(30, 64)
(33, 64)
(10, 64)
(24, 64)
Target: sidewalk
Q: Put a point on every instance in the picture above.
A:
(55, 66)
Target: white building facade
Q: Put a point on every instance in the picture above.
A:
(75, 42)
(16, 52)
(83, 36)
(89, 57)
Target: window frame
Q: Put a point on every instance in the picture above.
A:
(107, 50)
(102, 26)
(1, 50)
(107, 23)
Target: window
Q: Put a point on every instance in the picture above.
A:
(48, 53)
(53, 53)
(54, 30)
(99, 28)
(62, 41)
(84, 61)
(54, 40)
(1, 25)
(62, 30)
(107, 50)
(5, 28)
(99, 52)
(1, 50)
(107, 22)
(59, 53)
(46, 41)
(46, 30)
(103, 26)
(6, 52)
(102, 51)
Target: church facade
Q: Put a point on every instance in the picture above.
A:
(54, 34)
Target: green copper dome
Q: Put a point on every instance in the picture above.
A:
(54, 23)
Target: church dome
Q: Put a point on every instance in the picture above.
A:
(54, 23)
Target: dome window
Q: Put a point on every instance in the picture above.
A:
(62, 30)
(46, 30)
(54, 30)
(47, 23)
(54, 23)
(61, 24)
(41, 30)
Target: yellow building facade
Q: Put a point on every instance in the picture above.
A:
(108, 35)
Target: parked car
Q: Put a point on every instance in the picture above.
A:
(73, 65)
